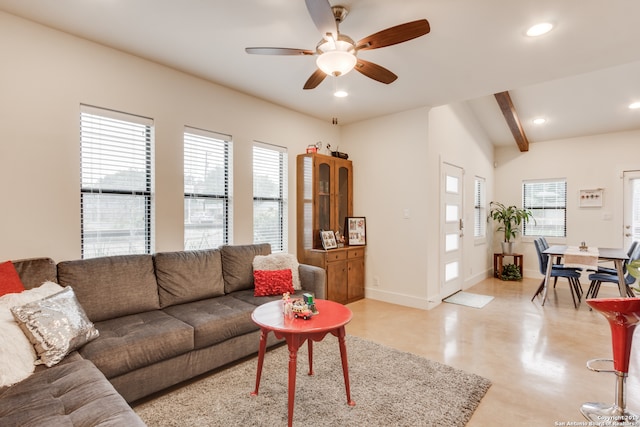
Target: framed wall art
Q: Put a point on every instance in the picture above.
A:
(355, 231)
(591, 198)
(328, 240)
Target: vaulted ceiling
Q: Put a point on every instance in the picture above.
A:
(580, 77)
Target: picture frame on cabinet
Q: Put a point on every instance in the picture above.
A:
(328, 240)
(355, 228)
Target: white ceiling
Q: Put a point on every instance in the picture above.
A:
(580, 77)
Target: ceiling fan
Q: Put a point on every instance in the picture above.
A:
(337, 53)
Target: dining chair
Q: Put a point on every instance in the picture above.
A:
(597, 279)
(607, 270)
(545, 245)
(572, 275)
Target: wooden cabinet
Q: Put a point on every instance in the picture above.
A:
(324, 200)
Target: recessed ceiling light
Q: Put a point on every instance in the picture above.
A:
(539, 29)
(539, 121)
(634, 105)
(340, 94)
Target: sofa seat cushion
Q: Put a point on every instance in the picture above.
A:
(69, 394)
(215, 320)
(131, 342)
(111, 287)
(237, 265)
(186, 276)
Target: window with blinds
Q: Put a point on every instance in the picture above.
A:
(547, 200)
(479, 208)
(270, 196)
(116, 184)
(207, 189)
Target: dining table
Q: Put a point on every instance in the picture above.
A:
(618, 256)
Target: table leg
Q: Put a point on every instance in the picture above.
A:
(310, 347)
(547, 277)
(293, 342)
(261, 351)
(622, 285)
(345, 365)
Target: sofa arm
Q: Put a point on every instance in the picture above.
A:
(313, 279)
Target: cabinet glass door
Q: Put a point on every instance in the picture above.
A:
(324, 196)
(342, 197)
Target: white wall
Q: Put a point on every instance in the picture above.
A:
(397, 168)
(44, 77)
(590, 162)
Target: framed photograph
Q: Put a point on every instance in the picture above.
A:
(591, 198)
(355, 231)
(328, 240)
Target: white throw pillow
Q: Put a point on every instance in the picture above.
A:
(279, 261)
(17, 354)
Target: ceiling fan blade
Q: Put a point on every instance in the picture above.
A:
(394, 35)
(375, 71)
(322, 16)
(278, 51)
(316, 78)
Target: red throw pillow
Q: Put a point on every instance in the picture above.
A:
(272, 282)
(10, 282)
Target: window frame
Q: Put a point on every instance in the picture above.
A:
(480, 209)
(95, 114)
(225, 144)
(281, 199)
(536, 224)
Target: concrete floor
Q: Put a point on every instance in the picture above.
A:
(535, 356)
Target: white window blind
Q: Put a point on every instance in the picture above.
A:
(270, 196)
(480, 208)
(547, 201)
(116, 183)
(207, 189)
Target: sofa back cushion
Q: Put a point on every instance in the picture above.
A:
(186, 276)
(237, 265)
(111, 287)
(34, 272)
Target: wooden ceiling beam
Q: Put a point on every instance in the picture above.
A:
(511, 116)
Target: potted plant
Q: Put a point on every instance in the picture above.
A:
(510, 219)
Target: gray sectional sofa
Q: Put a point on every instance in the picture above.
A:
(162, 319)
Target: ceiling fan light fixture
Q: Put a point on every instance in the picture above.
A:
(336, 62)
(539, 121)
(539, 29)
(341, 94)
(634, 105)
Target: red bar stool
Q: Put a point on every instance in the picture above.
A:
(623, 314)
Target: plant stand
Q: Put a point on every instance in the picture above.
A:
(498, 262)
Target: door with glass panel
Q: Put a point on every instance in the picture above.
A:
(631, 221)
(452, 229)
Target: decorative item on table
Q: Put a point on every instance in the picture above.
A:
(355, 229)
(312, 148)
(301, 309)
(339, 239)
(328, 239)
(339, 155)
(583, 247)
(308, 299)
(287, 306)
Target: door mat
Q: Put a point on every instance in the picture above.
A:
(468, 299)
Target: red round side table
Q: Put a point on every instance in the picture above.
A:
(331, 318)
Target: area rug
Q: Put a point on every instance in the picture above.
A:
(468, 299)
(390, 388)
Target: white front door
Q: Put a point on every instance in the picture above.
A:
(452, 229)
(631, 219)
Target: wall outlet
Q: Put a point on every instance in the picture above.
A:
(376, 281)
